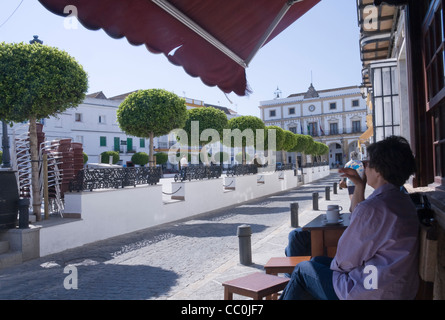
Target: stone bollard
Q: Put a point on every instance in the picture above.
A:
(327, 193)
(315, 201)
(245, 249)
(335, 187)
(23, 206)
(294, 215)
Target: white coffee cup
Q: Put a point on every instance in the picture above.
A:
(335, 207)
(332, 215)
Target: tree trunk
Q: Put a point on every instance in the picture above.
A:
(35, 186)
(205, 155)
(283, 156)
(243, 155)
(151, 155)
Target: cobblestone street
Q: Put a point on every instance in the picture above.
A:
(171, 261)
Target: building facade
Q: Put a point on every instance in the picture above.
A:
(336, 117)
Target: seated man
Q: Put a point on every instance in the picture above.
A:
(377, 255)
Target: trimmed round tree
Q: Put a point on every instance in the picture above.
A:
(151, 113)
(38, 81)
(209, 120)
(289, 141)
(246, 136)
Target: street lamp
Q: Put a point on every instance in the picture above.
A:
(35, 40)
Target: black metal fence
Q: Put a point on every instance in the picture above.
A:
(198, 172)
(242, 169)
(90, 179)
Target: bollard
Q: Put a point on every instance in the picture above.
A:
(245, 249)
(315, 201)
(294, 215)
(335, 187)
(327, 193)
(23, 205)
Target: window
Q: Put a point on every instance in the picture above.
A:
(293, 129)
(312, 129)
(78, 117)
(355, 103)
(102, 119)
(333, 128)
(142, 143)
(130, 145)
(434, 60)
(103, 141)
(272, 113)
(332, 105)
(291, 110)
(356, 126)
(117, 144)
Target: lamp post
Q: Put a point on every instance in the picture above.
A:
(6, 158)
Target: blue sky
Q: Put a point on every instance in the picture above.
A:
(325, 42)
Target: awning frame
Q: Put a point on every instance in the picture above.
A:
(180, 16)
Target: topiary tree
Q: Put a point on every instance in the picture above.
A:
(279, 139)
(151, 113)
(38, 81)
(140, 158)
(161, 157)
(85, 157)
(247, 125)
(205, 118)
(221, 157)
(105, 157)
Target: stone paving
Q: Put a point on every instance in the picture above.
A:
(183, 260)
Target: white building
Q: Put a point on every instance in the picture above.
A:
(336, 117)
(94, 124)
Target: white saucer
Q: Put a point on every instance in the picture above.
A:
(332, 222)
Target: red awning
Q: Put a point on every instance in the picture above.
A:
(211, 39)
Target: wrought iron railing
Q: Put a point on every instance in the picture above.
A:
(198, 172)
(242, 169)
(90, 179)
(281, 167)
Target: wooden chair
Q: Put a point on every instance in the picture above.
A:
(257, 286)
(278, 265)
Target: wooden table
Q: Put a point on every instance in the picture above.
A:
(324, 236)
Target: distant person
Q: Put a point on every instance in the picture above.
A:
(357, 165)
(377, 254)
(184, 162)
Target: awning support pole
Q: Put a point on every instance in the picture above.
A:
(271, 28)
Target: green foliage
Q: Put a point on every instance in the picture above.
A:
(105, 156)
(246, 122)
(85, 158)
(140, 158)
(290, 140)
(38, 81)
(208, 118)
(302, 142)
(239, 157)
(161, 157)
(280, 137)
(221, 157)
(154, 111)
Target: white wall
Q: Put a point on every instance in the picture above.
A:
(109, 213)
